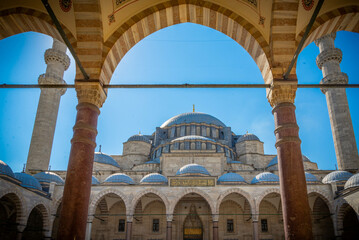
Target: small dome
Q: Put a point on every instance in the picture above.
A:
(154, 178)
(192, 170)
(265, 177)
(140, 138)
(248, 137)
(337, 176)
(48, 177)
(94, 181)
(6, 170)
(105, 159)
(119, 178)
(193, 117)
(192, 138)
(310, 177)
(274, 161)
(231, 178)
(28, 181)
(353, 181)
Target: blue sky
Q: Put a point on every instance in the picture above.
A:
(184, 53)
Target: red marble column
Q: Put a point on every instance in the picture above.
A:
(73, 215)
(296, 211)
(215, 230)
(129, 231)
(169, 230)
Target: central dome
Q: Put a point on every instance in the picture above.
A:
(193, 117)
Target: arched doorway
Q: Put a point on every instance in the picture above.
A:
(235, 219)
(34, 227)
(109, 220)
(192, 218)
(348, 222)
(8, 214)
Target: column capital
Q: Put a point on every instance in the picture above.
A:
(215, 217)
(90, 92)
(330, 54)
(169, 217)
(282, 91)
(129, 218)
(49, 79)
(54, 55)
(330, 35)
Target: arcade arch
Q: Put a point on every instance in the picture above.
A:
(10, 212)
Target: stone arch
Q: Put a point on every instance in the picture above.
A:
(143, 193)
(237, 191)
(41, 206)
(18, 199)
(19, 20)
(341, 19)
(259, 198)
(342, 209)
(206, 197)
(324, 197)
(193, 11)
(97, 198)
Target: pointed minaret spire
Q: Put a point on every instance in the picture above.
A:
(194, 108)
(100, 148)
(23, 169)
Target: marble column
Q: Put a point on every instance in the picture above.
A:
(169, 218)
(296, 210)
(129, 221)
(45, 122)
(89, 228)
(255, 227)
(76, 196)
(215, 218)
(342, 128)
(20, 229)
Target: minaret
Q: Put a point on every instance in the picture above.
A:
(342, 128)
(44, 128)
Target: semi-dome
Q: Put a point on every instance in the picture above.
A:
(353, 181)
(139, 138)
(337, 176)
(192, 138)
(231, 178)
(48, 177)
(6, 170)
(193, 117)
(154, 178)
(274, 161)
(192, 170)
(248, 137)
(105, 159)
(28, 181)
(265, 177)
(310, 177)
(95, 181)
(119, 178)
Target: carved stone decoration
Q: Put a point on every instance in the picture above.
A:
(282, 91)
(334, 78)
(308, 4)
(53, 55)
(65, 5)
(90, 92)
(48, 79)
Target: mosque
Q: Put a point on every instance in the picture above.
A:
(192, 178)
(191, 172)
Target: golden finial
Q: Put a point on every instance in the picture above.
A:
(139, 132)
(193, 108)
(247, 132)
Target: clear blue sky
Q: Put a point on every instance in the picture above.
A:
(185, 53)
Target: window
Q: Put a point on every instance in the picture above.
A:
(230, 226)
(121, 225)
(155, 225)
(264, 225)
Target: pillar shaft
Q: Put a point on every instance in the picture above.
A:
(169, 230)
(215, 230)
(73, 216)
(129, 231)
(295, 205)
(255, 230)
(338, 108)
(45, 122)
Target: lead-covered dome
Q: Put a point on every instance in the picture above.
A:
(119, 178)
(193, 117)
(6, 170)
(105, 159)
(139, 138)
(154, 178)
(274, 161)
(310, 177)
(231, 178)
(353, 181)
(192, 170)
(28, 181)
(337, 176)
(94, 181)
(48, 177)
(248, 137)
(266, 177)
(192, 138)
